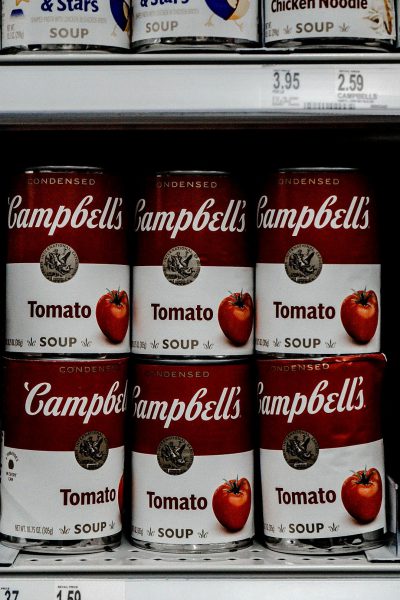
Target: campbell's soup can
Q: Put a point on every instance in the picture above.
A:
(66, 25)
(199, 24)
(318, 271)
(328, 24)
(67, 263)
(192, 456)
(62, 454)
(193, 271)
(321, 456)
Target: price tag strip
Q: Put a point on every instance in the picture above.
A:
(50, 589)
(332, 88)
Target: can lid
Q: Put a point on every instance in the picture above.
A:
(191, 172)
(315, 169)
(63, 169)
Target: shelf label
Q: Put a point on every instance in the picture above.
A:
(286, 88)
(360, 88)
(25, 589)
(89, 589)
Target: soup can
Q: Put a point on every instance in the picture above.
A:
(68, 271)
(329, 24)
(318, 272)
(63, 454)
(192, 456)
(321, 453)
(68, 25)
(193, 269)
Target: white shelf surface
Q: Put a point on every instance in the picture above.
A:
(52, 89)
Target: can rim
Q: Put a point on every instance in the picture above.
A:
(190, 172)
(63, 169)
(316, 169)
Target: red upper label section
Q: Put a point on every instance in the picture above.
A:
(335, 399)
(49, 404)
(204, 212)
(208, 405)
(333, 211)
(83, 210)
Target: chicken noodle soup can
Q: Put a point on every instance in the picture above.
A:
(62, 454)
(325, 24)
(67, 263)
(318, 267)
(66, 25)
(193, 272)
(207, 24)
(321, 457)
(192, 456)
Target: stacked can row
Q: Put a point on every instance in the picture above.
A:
(193, 24)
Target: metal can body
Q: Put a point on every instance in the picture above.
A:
(66, 25)
(321, 456)
(189, 24)
(67, 264)
(318, 269)
(63, 454)
(329, 24)
(192, 452)
(193, 270)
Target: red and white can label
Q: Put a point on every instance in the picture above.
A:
(318, 268)
(63, 449)
(322, 460)
(192, 454)
(193, 275)
(67, 265)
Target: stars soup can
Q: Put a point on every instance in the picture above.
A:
(67, 263)
(321, 453)
(193, 271)
(318, 272)
(62, 454)
(192, 456)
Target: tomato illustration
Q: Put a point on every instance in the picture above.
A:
(232, 503)
(359, 313)
(112, 314)
(362, 495)
(235, 316)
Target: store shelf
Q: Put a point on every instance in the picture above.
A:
(97, 90)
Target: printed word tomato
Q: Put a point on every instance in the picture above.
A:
(232, 503)
(359, 314)
(362, 495)
(112, 314)
(235, 316)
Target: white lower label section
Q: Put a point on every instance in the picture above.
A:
(177, 320)
(72, 22)
(177, 509)
(49, 496)
(305, 318)
(195, 18)
(46, 317)
(313, 19)
(307, 503)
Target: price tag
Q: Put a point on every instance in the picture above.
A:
(26, 590)
(286, 88)
(86, 589)
(361, 88)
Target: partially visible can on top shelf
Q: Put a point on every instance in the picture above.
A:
(193, 269)
(192, 455)
(318, 272)
(330, 24)
(321, 453)
(66, 25)
(194, 25)
(67, 274)
(63, 454)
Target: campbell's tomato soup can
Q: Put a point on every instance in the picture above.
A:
(62, 454)
(192, 456)
(321, 453)
(66, 25)
(318, 271)
(67, 263)
(329, 24)
(193, 271)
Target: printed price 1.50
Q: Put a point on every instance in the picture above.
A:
(69, 595)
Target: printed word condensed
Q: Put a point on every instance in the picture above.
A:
(63, 454)
(67, 265)
(322, 459)
(192, 457)
(193, 275)
(318, 268)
